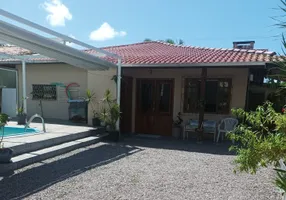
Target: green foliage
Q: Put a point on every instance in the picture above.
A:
(90, 98)
(181, 42)
(260, 137)
(3, 121)
(280, 181)
(21, 109)
(110, 111)
(147, 40)
(168, 40)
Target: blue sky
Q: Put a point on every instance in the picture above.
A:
(206, 23)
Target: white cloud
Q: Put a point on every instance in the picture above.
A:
(105, 32)
(58, 13)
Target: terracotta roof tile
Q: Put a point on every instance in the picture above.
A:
(163, 53)
(13, 50)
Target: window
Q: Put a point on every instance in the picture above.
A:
(217, 95)
(44, 92)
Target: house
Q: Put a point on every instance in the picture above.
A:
(159, 80)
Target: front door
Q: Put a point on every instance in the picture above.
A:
(154, 106)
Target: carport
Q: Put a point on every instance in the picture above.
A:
(21, 37)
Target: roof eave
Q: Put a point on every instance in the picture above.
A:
(187, 65)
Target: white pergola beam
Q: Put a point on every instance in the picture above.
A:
(54, 33)
(37, 43)
(47, 47)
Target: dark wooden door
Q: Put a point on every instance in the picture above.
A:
(126, 104)
(154, 106)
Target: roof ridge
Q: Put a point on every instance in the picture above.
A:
(256, 51)
(125, 45)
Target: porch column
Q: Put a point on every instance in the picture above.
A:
(24, 86)
(202, 104)
(118, 90)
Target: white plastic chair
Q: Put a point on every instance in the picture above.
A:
(226, 125)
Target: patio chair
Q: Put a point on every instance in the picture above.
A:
(209, 126)
(189, 126)
(226, 125)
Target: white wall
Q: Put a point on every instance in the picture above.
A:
(98, 82)
(47, 74)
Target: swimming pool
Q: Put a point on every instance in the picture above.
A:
(14, 131)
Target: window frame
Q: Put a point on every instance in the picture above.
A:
(196, 110)
(44, 99)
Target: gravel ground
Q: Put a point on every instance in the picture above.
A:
(139, 169)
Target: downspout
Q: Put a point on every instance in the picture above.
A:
(17, 91)
(24, 86)
(118, 89)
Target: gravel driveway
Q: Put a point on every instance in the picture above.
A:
(139, 169)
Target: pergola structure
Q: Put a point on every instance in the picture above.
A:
(46, 47)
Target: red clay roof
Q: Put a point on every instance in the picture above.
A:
(13, 50)
(162, 53)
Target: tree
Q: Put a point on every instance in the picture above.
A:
(170, 41)
(261, 135)
(147, 40)
(261, 140)
(181, 42)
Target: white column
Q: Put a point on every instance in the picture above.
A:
(118, 88)
(24, 86)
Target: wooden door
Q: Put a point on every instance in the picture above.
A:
(154, 106)
(126, 104)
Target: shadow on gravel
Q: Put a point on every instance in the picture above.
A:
(23, 184)
(207, 146)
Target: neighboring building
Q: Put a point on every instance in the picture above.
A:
(159, 81)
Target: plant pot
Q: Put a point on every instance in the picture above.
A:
(113, 136)
(6, 155)
(22, 119)
(96, 122)
(177, 131)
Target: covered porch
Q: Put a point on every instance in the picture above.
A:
(154, 96)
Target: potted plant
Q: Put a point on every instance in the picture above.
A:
(90, 98)
(21, 116)
(177, 128)
(5, 153)
(95, 120)
(110, 114)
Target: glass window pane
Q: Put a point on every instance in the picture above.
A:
(146, 97)
(164, 97)
(211, 96)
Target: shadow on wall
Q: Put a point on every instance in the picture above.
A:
(23, 184)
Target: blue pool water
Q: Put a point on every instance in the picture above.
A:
(12, 131)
